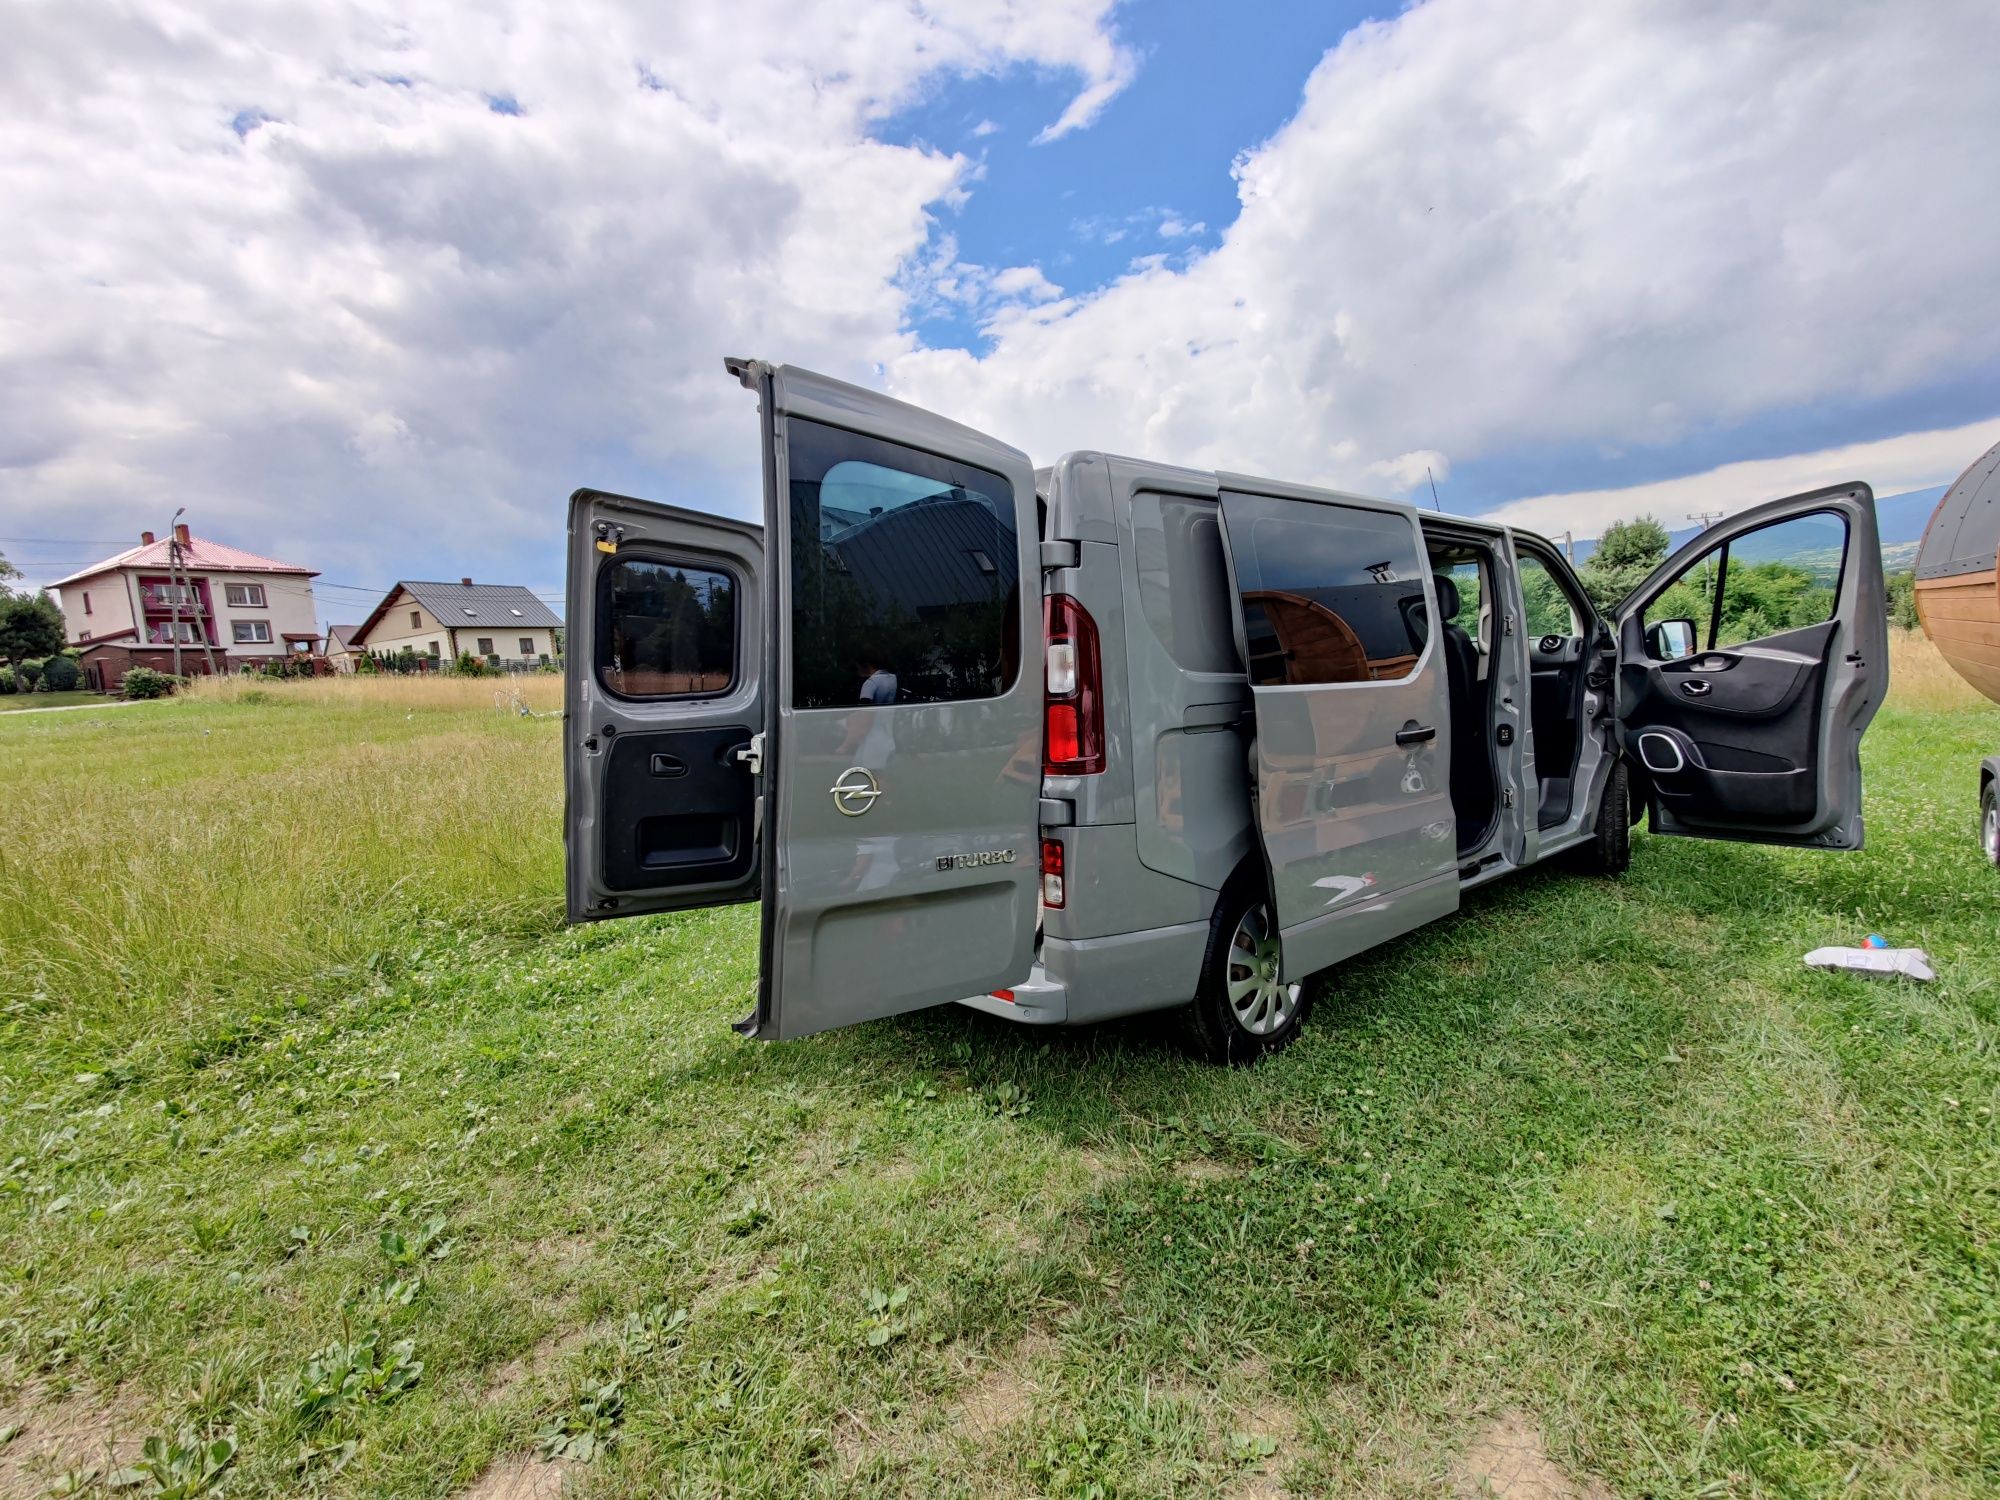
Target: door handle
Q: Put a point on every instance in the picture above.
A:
(668, 765)
(1695, 689)
(1414, 733)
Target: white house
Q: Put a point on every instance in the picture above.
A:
(128, 610)
(497, 622)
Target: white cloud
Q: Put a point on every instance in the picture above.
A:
(1174, 227)
(295, 268)
(1507, 224)
(1025, 281)
(1407, 471)
(1891, 466)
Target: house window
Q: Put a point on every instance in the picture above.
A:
(417, 623)
(250, 632)
(486, 645)
(244, 595)
(434, 649)
(527, 646)
(86, 601)
(166, 631)
(169, 594)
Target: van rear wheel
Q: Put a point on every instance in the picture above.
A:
(1243, 1011)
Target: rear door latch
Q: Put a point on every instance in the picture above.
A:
(752, 754)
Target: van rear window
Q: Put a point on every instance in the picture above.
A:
(665, 629)
(905, 574)
(1331, 593)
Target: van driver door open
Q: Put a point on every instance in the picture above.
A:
(894, 773)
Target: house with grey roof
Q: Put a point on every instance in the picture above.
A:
(501, 623)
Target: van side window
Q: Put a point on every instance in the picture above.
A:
(665, 629)
(1330, 593)
(905, 574)
(1780, 577)
(1550, 611)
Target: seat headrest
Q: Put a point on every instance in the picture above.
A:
(1447, 593)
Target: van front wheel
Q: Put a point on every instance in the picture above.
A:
(1243, 1011)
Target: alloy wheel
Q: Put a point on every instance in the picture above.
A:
(1260, 1002)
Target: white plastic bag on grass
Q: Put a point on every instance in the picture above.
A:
(1911, 963)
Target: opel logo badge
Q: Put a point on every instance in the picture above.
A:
(856, 790)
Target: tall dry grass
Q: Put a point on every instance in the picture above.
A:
(258, 839)
(1921, 679)
(541, 691)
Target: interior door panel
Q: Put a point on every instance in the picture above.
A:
(1742, 722)
(686, 806)
(1761, 740)
(662, 693)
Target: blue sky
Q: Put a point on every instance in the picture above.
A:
(1213, 80)
(380, 282)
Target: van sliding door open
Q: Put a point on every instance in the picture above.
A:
(1335, 620)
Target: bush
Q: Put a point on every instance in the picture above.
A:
(469, 665)
(60, 674)
(144, 682)
(6, 680)
(28, 674)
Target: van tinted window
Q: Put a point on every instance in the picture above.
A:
(905, 574)
(664, 629)
(1330, 593)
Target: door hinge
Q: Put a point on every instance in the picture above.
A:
(1060, 555)
(1507, 622)
(1506, 796)
(752, 754)
(609, 535)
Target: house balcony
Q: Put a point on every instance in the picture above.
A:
(159, 602)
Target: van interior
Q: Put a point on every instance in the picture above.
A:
(1462, 583)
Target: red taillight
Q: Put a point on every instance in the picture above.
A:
(1073, 682)
(1052, 873)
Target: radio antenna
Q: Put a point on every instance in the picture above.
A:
(1436, 504)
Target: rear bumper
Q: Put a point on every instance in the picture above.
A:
(1076, 981)
(1039, 1000)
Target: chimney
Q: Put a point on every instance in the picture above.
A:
(466, 581)
(145, 539)
(181, 533)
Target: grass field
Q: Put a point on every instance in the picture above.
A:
(321, 1137)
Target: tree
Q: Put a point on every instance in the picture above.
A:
(7, 571)
(1625, 554)
(1903, 599)
(30, 626)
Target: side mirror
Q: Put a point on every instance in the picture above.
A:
(1670, 640)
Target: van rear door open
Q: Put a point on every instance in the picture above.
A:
(898, 674)
(1334, 615)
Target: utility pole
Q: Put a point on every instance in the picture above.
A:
(177, 568)
(1569, 548)
(1706, 517)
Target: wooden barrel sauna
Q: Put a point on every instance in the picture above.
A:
(1958, 575)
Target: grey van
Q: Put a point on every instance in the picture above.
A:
(1115, 736)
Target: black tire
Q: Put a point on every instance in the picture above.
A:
(1224, 1032)
(1989, 821)
(1609, 852)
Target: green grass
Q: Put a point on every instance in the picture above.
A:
(11, 702)
(295, 1049)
